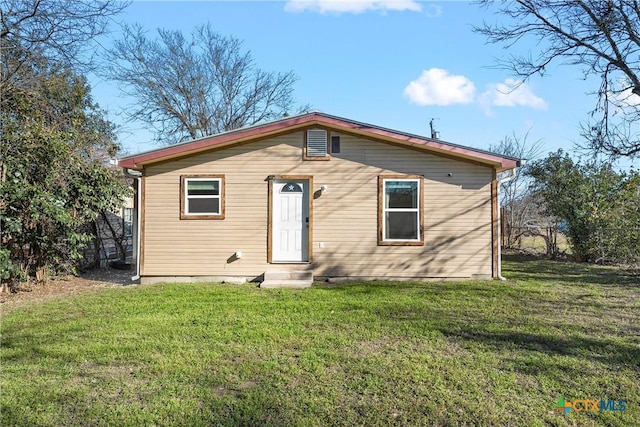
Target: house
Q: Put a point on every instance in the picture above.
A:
(317, 193)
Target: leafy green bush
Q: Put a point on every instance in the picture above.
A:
(9, 272)
(600, 206)
(54, 145)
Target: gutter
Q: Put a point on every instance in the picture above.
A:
(136, 175)
(511, 176)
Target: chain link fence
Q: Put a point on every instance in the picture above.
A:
(607, 245)
(618, 245)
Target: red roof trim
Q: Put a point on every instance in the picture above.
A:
(273, 128)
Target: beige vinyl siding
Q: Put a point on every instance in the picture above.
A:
(457, 212)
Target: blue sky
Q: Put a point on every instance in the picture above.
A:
(395, 64)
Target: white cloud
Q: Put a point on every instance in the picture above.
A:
(510, 93)
(625, 99)
(351, 6)
(437, 87)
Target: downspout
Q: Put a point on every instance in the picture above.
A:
(511, 176)
(136, 175)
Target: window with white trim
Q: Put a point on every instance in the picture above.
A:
(127, 221)
(202, 197)
(400, 210)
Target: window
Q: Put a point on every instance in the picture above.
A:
(335, 144)
(291, 187)
(400, 210)
(315, 147)
(202, 197)
(127, 221)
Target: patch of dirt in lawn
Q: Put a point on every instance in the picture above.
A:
(66, 285)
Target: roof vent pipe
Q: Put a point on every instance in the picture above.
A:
(434, 133)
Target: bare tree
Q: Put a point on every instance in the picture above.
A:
(520, 216)
(602, 37)
(519, 148)
(190, 88)
(42, 49)
(527, 217)
(60, 30)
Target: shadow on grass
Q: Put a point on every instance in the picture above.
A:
(530, 267)
(503, 334)
(603, 350)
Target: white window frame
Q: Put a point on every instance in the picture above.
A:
(185, 197)
(127, 221)
(383, 210)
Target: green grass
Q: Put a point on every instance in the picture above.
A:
(375, 353)
(536, 244)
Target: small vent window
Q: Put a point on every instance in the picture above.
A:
(316, 143)
(335, 144)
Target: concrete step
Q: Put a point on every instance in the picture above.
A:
(273, 284)
(288, 275)
(287, 279)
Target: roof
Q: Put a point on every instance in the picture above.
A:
(288, 124)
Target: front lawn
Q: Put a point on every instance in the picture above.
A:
(375, 353)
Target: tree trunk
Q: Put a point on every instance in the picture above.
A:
(117, 238)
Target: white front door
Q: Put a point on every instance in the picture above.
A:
(290, 221)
